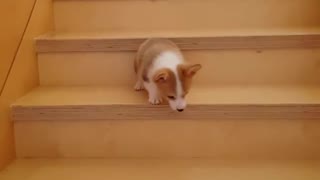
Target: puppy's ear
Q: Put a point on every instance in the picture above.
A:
(189, 70)
(161, 76)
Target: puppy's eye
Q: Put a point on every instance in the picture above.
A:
(171, 97)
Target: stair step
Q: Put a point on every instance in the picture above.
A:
(242, 102)
(104, 42)
(85, 58)
(164, 15)
(134, 169)
(221, 122)
(218, 138)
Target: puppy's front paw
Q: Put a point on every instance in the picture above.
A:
(155, 100)
(139, 86)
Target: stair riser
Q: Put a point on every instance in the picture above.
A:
(145, 15)
(285, 66)
(219, 139)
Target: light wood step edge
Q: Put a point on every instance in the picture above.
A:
(146, 169)
(148, 112)
(45, 44)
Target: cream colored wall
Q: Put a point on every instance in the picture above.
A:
(24, 72)
(12, 31)
(10, 37)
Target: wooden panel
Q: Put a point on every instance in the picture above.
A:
(12, 31)
(11, 34)
(208, 103)
(220, 139)
(155, 169)
(223, 67)
(23, 76)
(172, 15)
(102, 44)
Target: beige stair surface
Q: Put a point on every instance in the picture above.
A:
(228, 57)
(236, 67)
(146, 169)
(219, 139)
(228, 102)
(231, 122)
(172, 15)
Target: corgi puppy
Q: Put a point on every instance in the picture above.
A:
(163, 72)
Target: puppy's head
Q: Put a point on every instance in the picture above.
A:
(175, 85)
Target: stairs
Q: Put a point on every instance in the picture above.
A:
(253, 112)
(170, 16)
(158, 170)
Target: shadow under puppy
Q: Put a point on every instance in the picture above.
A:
(162, 70)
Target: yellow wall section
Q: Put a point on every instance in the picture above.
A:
(12, 31)
(24, 74)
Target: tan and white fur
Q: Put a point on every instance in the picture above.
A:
(161, 70)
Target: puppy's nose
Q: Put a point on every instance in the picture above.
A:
(180, 110)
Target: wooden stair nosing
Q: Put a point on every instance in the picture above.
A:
(162, 112)
(56, 44)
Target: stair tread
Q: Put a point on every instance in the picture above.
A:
(83, 95)
(69, 169)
